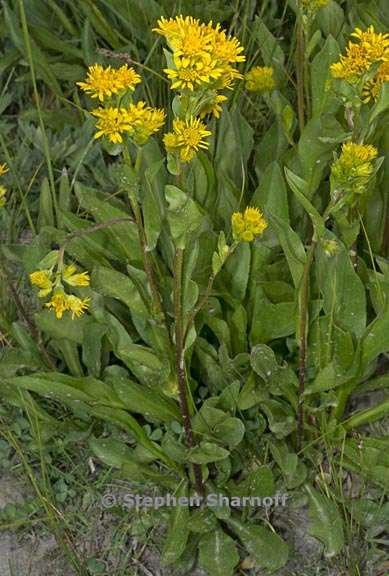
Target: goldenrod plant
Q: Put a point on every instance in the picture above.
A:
(203, 296)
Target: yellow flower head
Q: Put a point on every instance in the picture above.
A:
(359, 57)
(112, 122)
(73, 278)
(213, 105)
(191, 77)
(372, 88)
(260, 79)
(187, 138)
(144, 121)
(126, 78)
(59, 303)
(3, 192)
(77, 306)
(202, 53)
(249, 225)
(103, 82)
(42, 279)
(3, 169)
(353, 169)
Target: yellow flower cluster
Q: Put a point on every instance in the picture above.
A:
(103, 82)
(248, 225)
(187, 138)
(371, 48)
(49, 282)
(3, 189)
(204, 56)
(351, 172)
(260, 79)
(138, 121)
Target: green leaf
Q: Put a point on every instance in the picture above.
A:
(207, 452)
(218, 553)
(178, 531)
(326, 522)
(271, 321)
(263, 362)
(323, 99)
(292, 246)
(110, 451)
(184, 215)
(143, 400)
(293, 469)
(92, 348)
(271, 194)
(269, 550)
(376, 338)
(235, 274)
(46, 211)
(110, 282)
(300, 188)
(124, 235)
(343, 291)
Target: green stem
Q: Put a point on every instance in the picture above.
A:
(180, 362)
(366, 416)
(147, 262)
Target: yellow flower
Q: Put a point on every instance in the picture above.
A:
(249, 225)
(113, 122)
(187, 138)
(3, 192)
(76, 305)
(372, 88)
(126, 78)
(359, 57)
(260, 79)
(376, 45)
(225, 48)
(3, 169)
(75, 279)
(202, 53)
(59, 302)
(213, 105)
(104, 82)
(144, 121)
(351, 172)
(42, 279)
(191, 77)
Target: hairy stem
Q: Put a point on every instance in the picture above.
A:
(180, 361)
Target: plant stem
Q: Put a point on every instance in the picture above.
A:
(180, 361)
(304, 302)
(148, 265)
